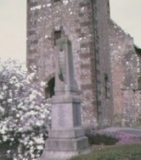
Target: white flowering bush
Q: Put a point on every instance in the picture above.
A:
(24, 112)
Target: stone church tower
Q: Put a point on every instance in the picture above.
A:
(85, 24)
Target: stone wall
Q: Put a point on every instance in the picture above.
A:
(84, 22)
(73, 19)
(106, 63)
(104, 85)
(125, 72)
(132, 109)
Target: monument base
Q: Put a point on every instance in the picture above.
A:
(66, 137)
(63, 149)
(55, 155)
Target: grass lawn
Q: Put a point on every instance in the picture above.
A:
(120, 152)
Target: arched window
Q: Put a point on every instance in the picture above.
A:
(49, 90)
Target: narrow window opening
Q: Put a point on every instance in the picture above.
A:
(139, 82)
(57, 0)
(108, 7)
(106, 85)
(57, 35)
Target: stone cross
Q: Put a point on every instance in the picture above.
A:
(66, 137)
(64, 77)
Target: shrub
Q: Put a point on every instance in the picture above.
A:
(24, 112)
(98, 139)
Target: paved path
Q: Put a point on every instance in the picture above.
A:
(124, 134)
(134, 131)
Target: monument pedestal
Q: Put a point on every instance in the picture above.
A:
(65, 148)
(66, 138)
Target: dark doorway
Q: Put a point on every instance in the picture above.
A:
(49, 90)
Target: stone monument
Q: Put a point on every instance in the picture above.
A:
(66, 137)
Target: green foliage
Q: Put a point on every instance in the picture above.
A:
(101, 139)
(124, 152)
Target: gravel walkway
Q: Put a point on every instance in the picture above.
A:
(125, 135)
